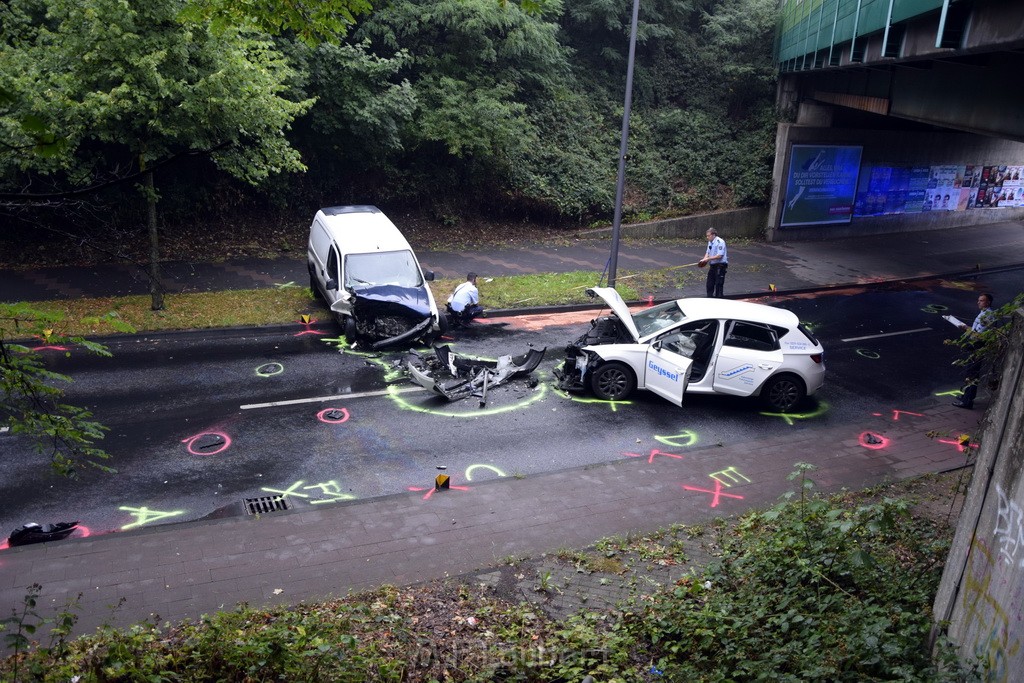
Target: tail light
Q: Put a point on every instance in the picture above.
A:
(816, 357)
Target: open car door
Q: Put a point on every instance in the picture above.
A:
(667, 372)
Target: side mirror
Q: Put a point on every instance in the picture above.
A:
(428, 275)
(332, 284)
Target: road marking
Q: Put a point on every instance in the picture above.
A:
(321, 399)
(887, 334)
(4, 429)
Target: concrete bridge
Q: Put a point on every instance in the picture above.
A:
(902, 115)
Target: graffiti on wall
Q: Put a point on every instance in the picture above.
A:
(995, 645)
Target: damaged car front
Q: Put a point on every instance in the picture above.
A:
(389, 302)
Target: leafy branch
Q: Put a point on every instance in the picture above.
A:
(66, 433)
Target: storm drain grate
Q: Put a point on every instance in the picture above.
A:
(261, 506)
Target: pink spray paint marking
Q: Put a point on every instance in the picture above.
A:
(218, 443)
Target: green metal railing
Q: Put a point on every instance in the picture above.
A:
(808, 27)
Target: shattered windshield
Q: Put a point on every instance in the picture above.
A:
(382, 268)
(657, 318)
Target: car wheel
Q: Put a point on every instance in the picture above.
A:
(442, 322)
(348, 326)
(782, 393)
(612, 382)
(312, 286)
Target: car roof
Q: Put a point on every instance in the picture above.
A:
(362, 229)
(741, 310)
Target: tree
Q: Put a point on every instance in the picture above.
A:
(130, 85)
(32, 404)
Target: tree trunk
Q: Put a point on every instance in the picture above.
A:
(156, 291)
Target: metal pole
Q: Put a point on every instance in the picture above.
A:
(942, 23)
(620, 186)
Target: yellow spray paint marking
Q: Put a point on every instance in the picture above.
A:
(144, 515)
(789, 417)
(539, 393)
(729, 476)
(492, 468)
(614, 405)
(687, 437)
(332, 489)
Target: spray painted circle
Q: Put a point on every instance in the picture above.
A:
(872, 441)
(269, 369)
(208, 443)
(395, 396)
(492, 468)
(333, 416)
(868, 353)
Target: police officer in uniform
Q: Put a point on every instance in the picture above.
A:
(716, 258)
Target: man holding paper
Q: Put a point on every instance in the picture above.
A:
(982, 322)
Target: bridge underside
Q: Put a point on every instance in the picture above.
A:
(981, 93)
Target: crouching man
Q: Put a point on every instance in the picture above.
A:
(464, 303)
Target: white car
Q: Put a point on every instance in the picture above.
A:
(701, 346)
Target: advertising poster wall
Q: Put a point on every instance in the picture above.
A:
(822, 184)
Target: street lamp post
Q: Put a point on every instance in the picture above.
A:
(613, 262)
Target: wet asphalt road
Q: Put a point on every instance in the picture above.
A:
(194, 429)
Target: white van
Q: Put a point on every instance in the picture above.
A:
(366, 271)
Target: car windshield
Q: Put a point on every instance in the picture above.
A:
(657, 318)
(382, 268)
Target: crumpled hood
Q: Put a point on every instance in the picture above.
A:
(394, 299)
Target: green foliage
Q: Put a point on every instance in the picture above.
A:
(32, 396)
(313, 21)
(808, 590)
(123, 83)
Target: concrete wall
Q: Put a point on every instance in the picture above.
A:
(981, 594)
(890, 147)
(729, 224)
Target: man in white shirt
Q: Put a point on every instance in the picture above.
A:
(716, 259)
(464, 303)
(984, 320)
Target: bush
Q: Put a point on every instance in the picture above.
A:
(809, 590)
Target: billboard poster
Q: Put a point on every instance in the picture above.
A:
(945, 182)
(918, 185)
(822, 185)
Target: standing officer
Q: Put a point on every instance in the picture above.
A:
(986, 317)
(717, 260)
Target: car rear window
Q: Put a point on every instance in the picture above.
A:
(807, 333)
(744, 335)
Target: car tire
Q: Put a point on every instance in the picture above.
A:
(442, 323)
(783, 393)
(612, 381)
(313, 286)
(348, 327)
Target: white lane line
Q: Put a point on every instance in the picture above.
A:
(321, 399)
(887, 334)
(4, 429)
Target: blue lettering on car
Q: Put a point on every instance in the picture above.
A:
(658, 370)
